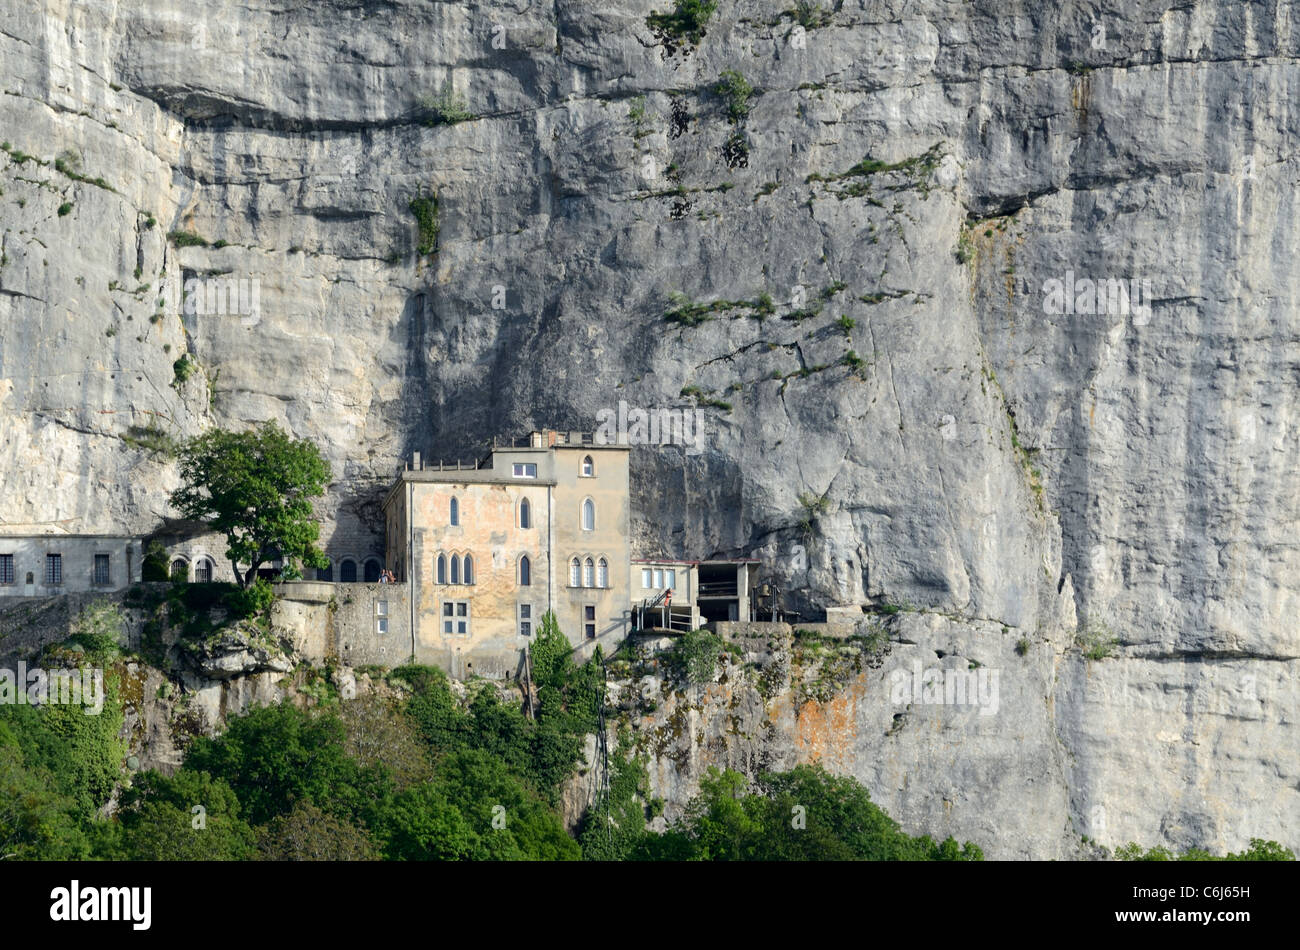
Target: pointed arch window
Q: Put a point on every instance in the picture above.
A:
(455, 511)
(588, 467)
(589, 574)
(525, 572)
(588, 515)
(469, 569)
(442, 569)
(575, 573)
(455, 568)
(525, 514)
(602, 573)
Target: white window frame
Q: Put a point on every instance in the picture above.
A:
(524, 469)
(588, 468)
(452, 618)
(602, 572)
(589, 626)
(575, 572)
(588, 524)
(524, 614)
(588, 573)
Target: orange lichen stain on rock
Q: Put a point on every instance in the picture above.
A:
(827, 732)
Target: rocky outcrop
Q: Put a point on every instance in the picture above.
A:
(914, 417)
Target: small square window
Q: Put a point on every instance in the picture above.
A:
(447, 626)
(448, 608)
(591, 631)
(381, 625)
(381, 608)
(590, 612)
(462, 609)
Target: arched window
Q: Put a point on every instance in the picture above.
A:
(589, 574)
(326, 573)
(203, 571)
(455, 511)
(371, 571)
(525, 514)
(180, 570)
(588, 467)
(455, 568)
(575, 573)
(525, 571)
(441, 573)
(588, 515)
(602, 573)
(469, 568)
(348, 571)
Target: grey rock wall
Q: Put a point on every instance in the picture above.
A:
(977, 455)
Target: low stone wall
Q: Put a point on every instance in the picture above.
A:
(342, 621)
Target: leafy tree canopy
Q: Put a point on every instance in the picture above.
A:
(256, 488)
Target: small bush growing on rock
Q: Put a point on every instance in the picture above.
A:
(735, 90)
(425, 209)
(1097, 640)
(686, 22)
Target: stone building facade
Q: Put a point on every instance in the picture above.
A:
(46, 565)
(536, 526)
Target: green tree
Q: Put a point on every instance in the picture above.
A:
(188, 817)
(37, 822)
(277, 756)
(309, 834)
(256, 488)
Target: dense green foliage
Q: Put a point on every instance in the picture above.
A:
(1259, 850)
(256, 488)
(805, 814)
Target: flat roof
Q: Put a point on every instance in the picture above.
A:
(469, 476)
(712, 560)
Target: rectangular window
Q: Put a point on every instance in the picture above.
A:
(525, 620)
(381, 616)
(101, 570)
(455, 617)
(381, 625)
(671, 577)
(525, 469)
(647, 578)
(589, 616)
(659, 580)
(6, 568)
(53, 570)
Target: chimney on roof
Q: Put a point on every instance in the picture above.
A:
(415, 462)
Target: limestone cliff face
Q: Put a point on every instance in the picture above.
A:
(980, 453)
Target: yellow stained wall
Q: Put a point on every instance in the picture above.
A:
(488, 531)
